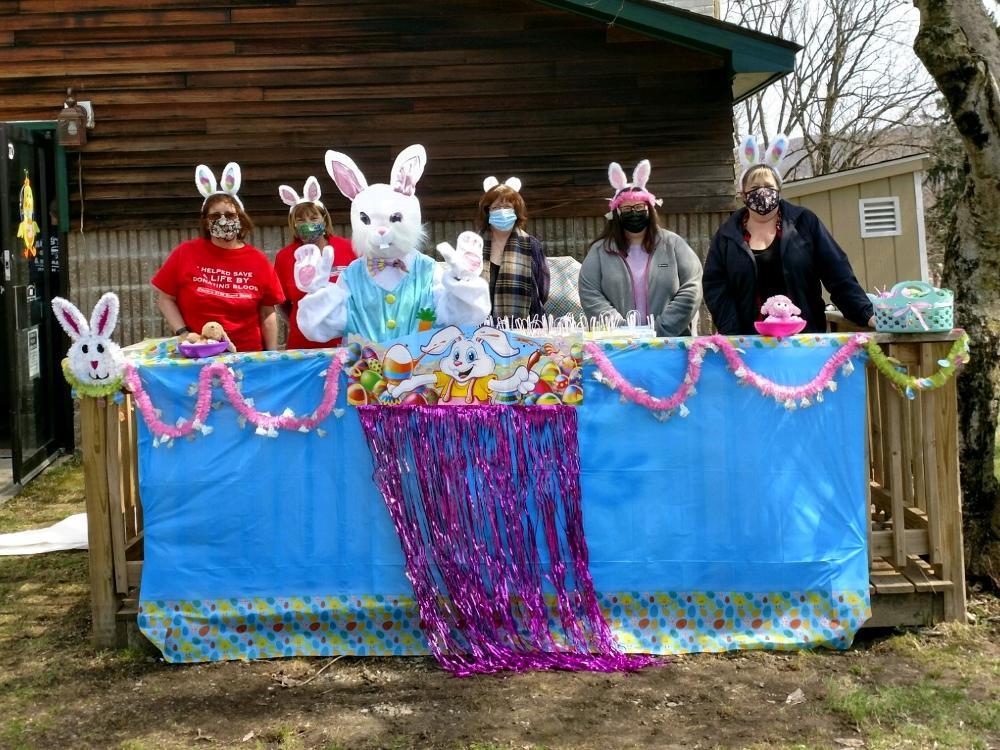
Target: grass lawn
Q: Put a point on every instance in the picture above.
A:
(937, 687)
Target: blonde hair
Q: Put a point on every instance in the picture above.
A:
(755, 170)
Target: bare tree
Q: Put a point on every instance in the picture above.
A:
(855, 90)
(960, 46)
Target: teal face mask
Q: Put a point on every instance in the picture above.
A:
(310, 231)
(503, 218)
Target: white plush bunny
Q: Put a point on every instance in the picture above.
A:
(232, 178)
(379, 295)
(467, 371)
(751, 155)
(94, 359)
(310, 193)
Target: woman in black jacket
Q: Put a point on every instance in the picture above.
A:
(773, 247)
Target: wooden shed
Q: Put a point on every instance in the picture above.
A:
(876, 213)
(550, 91)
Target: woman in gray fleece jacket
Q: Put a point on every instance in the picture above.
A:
(637, 265)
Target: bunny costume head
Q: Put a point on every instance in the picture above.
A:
(94, 359)
(385, 218)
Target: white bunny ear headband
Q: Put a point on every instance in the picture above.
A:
(630, 191)
(310, 194)
(772, 156)
(232, 178)
(514, 183)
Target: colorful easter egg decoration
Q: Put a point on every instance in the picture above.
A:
(542, 387)
(368, 379)
(549, 371)
(397, 365)
(573, 395)
(356, 394)
(548, 399)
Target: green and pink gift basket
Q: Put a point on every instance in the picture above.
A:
(914, 307)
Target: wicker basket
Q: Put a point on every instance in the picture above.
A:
(914, 307)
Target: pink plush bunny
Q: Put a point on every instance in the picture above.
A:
(780, 309)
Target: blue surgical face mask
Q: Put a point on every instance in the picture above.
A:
(503, 218)
(310, 231)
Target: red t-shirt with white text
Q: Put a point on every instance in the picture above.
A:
(227, 286)
(284, 266)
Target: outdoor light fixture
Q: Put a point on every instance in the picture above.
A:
(73, 121)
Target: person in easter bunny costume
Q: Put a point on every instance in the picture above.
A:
(773, 247)
(386, 292)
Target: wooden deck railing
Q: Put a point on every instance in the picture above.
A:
(915, 536)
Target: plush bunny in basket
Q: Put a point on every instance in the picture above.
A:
(392, 286)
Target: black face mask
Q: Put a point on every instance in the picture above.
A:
(633, 222)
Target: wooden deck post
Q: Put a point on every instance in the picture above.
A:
(103, 600)
(950, 498)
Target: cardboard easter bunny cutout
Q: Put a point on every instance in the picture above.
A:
(467, 372)
(392, 285)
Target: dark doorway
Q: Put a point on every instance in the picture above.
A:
(34, 401)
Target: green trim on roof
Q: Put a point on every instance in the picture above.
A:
(745, 51)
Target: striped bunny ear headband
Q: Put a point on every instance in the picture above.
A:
(310, 194)
(232, 178)
(752, 156)
(630, 191)
(514, 183)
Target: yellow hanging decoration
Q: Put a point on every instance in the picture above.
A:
(27, 230)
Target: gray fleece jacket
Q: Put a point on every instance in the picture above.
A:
(674, 287)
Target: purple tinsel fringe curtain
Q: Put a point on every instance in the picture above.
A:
(486, 502)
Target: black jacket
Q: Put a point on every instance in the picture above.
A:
(809, 256)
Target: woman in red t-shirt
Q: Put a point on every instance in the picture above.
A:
(310, 223)
(218, 276)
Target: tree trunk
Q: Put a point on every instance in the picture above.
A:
(959, 45)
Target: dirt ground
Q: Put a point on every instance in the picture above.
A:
(934, 688)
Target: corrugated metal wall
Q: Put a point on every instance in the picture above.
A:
(125, 261)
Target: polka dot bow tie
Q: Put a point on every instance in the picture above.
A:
(380, 264)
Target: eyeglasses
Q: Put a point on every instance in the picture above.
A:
(642, 208)
(217, 216)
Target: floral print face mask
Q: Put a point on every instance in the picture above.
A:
(762, 200)
(224, 228)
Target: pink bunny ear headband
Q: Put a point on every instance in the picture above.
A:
(630, 191)
(310, 194)
(752, 156)
(232, 178)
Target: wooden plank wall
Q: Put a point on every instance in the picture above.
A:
(123, 261)
(489, 86)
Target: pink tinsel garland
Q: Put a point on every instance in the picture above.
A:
(266, 423)
(791, 396)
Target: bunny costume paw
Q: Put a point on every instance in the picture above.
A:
(463, 297)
